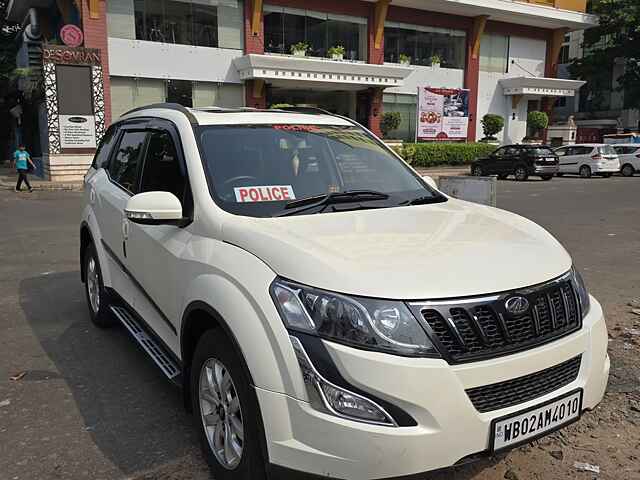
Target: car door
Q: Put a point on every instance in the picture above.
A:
(496, 162)
(154, 252)
(567, 160)
(115, 184)
(508, 160)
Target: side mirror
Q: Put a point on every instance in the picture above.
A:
(430, 181)
(155, 208)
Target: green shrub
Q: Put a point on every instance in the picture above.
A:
(537, 121)
(390, 121)
(492, 124)
(437, 154)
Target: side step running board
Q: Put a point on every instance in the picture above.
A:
(155, 351)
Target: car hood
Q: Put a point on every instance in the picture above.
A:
(442, 250)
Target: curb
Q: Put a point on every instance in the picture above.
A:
(45, 187)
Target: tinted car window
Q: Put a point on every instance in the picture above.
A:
(561, 152)
(606, 150)
(101, 158)
(540, 151)
(256, 169)
(124, 167)
(162, 169)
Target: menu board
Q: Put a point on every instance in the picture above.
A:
(443, 114)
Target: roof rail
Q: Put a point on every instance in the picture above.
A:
(309, 110)
(168, 106)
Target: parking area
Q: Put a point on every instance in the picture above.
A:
(91, 404)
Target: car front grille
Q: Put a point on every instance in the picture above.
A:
(522, 389)
(478, 329)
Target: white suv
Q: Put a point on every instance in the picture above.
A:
(629, 158)
(325, 309)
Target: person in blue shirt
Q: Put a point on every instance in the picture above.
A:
(22, 160)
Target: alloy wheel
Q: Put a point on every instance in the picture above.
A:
(221, 413)
(93, 285)
(477, 171)
(520, 174)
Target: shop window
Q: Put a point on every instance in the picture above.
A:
(203, 23)
(422, 44)
(494, 53)
(284, 27)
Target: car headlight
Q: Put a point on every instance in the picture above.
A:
(381, 325)
(581, 290)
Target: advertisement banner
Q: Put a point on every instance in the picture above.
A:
(443, 114)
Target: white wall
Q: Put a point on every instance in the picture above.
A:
(136, 58)
(430, 77)
(526, 58)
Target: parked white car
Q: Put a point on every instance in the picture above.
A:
(629, 155)
(327, 312)
(588, 159)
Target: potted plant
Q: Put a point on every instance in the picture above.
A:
(537, 122)
(299, 49)
(390, 121)
(436, 61)
(405, 59)
(336, 53)
(492, 124)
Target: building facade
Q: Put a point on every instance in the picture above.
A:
(595, 115)
(239, 53)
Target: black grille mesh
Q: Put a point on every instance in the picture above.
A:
(480, 330)
(522, 389)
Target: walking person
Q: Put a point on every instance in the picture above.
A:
(22, 160)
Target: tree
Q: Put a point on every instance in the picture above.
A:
(492, 124)
(390, 121)
(537, 121)
(616, 36)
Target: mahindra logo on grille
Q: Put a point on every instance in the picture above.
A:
(516, 305)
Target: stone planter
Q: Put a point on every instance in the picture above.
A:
(337, 57)
(299, 53)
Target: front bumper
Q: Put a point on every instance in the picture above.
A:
(545, 169)
(449, 428)
(606, 168)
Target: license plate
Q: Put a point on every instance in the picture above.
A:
(525, 426)
(550, 160)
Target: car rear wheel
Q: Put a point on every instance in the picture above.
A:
(546, 177)
(97, 296)
(627, 170)
(226, 410)
(477, 171)
(585, 171)
(521, 174)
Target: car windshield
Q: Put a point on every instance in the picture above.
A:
(541, 151)
(606, 150)
(265, 170)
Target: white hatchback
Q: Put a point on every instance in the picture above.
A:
(325, 310)
(629, 155)
(588, 159)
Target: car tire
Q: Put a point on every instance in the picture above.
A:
(97, 297)
(585, 171)
(502, 177)
(227, 415)
(477, 171)
(627, 170)
(546, 178)
(521, 173)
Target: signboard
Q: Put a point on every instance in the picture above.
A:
(71, 36)
(71, 56)
(77, 131)
(443, 114)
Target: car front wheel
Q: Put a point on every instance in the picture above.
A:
(97, 296)
(477, 171)
(585, 171)
(628, 170)
(226, 410)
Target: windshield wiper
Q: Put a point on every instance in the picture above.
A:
(304, 204)
(422, 200)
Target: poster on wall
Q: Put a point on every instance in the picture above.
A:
(77, 131)
(443, 114)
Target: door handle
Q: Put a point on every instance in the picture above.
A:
(125, 228)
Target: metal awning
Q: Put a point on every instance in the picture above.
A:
(540, 86)
(291, 70)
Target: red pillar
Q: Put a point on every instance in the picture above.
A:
(375, 110)
(472, 82)
(255, 90)
(375, 56)
(94, 26)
